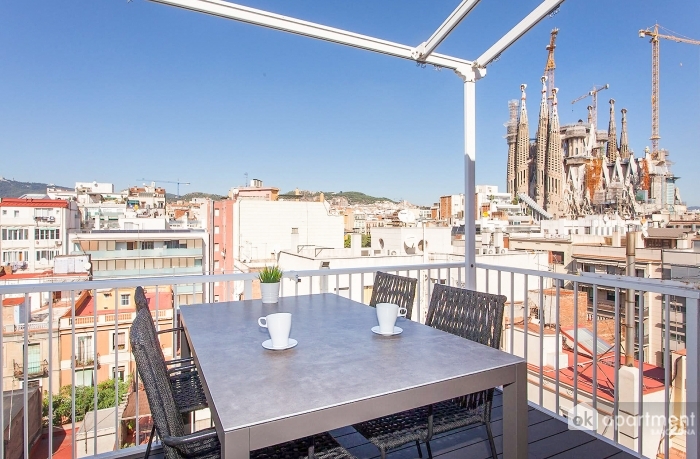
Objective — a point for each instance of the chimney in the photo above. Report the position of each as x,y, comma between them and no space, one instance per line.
295,240
616,238
356,244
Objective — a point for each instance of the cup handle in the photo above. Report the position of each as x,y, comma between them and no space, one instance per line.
403,312
261,323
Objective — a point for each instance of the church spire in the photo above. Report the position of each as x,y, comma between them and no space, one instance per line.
541,146
612,151
522,147
554,174
624,145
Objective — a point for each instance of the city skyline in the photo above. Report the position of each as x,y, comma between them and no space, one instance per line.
117,91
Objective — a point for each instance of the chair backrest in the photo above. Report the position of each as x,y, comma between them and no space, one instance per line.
472,315
154,375
140,299
390,288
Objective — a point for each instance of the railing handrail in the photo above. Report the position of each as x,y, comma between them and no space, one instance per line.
204,278
664,287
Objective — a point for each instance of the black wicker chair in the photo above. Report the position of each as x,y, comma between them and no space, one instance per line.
390,288
204,444
471,315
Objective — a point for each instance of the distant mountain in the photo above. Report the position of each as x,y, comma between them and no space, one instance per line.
195,194
14,189
694,208
355,197
352,197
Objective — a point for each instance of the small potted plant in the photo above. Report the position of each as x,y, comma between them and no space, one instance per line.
270,278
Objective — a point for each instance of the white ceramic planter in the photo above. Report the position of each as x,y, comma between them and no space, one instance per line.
270,292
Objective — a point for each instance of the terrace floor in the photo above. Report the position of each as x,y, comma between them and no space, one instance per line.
548,438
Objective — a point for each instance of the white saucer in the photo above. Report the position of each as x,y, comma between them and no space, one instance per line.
397,330
268,345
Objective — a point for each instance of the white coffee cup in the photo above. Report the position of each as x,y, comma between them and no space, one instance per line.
279,326
387,313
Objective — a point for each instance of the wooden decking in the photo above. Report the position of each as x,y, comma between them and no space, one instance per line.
547,438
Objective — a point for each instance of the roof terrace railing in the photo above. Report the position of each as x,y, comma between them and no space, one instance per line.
571,359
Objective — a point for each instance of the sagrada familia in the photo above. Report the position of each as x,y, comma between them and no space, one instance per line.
573,170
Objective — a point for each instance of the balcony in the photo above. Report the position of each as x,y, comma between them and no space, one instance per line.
87,360
34,370
559,377
145,253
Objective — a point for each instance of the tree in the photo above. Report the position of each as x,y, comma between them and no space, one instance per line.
346,243
84,401
366,240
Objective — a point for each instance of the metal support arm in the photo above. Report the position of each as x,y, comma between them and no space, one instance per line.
297,26
424,50
514,34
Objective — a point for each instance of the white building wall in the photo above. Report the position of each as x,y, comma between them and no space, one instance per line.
406,241
264,228
64,220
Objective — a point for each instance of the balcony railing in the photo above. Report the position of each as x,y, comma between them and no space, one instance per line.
34,370
572,359
87,360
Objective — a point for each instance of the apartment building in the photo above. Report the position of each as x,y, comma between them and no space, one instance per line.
452,208
100,347
150,252
34,231
262,229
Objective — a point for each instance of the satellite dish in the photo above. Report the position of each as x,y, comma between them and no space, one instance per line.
406,217
87,266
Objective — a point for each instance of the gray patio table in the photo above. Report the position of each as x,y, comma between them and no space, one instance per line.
339,374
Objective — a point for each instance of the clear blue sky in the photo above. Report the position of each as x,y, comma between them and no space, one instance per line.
115,92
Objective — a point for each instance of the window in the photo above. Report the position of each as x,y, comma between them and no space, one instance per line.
216,212
216,264
47,255
216,230
49,233
34,362
10,256
125,300
16,213
84,378
146,245
216,298
118,373
119,341
84,352
15,234
4,211
216,248
639,273
612,270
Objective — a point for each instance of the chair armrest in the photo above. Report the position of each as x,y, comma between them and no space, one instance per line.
194,444
169,330
179,361
201,435
188,368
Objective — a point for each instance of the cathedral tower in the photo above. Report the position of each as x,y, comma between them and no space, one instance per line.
541,148
624,144
522,148
511,135
554,174
611,151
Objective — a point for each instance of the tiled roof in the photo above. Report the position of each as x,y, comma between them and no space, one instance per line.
12,301
16,202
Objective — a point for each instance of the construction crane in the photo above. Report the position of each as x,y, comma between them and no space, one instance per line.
594,94
178,182
550,66
654,34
